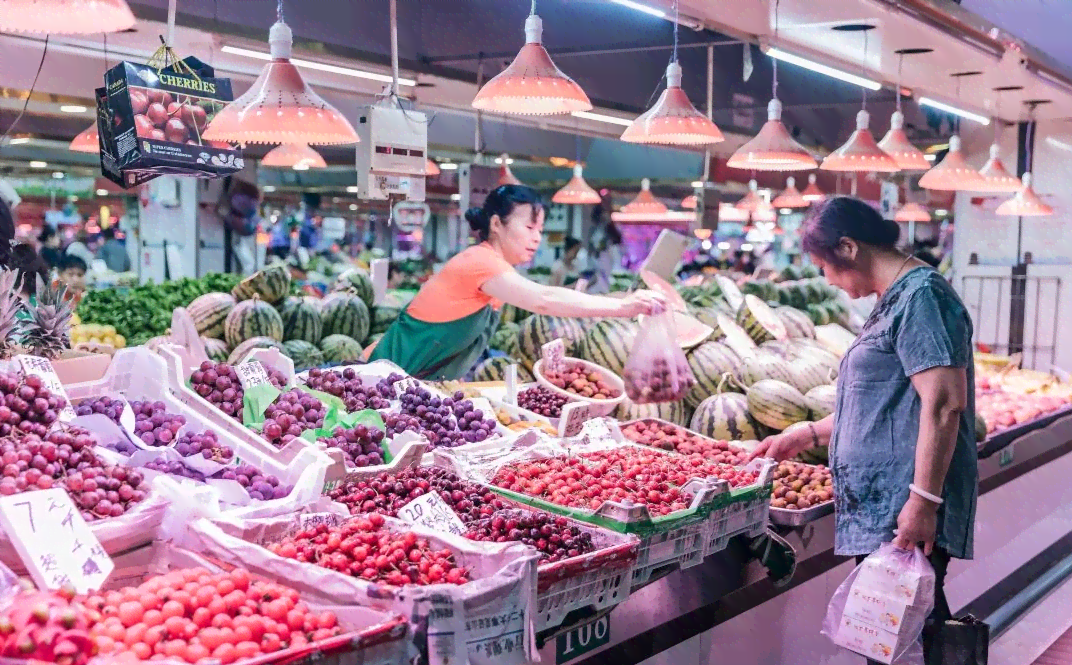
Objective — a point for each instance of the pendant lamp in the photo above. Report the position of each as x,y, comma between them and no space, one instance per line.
532,84
790,198
297,156
953,173
86,141
645,202
689,202
896,144
750,201
912,212
65,17
812,193
1025,203
431,168
577,191
279,107
860,153
673,120
996,178
772,149
506,176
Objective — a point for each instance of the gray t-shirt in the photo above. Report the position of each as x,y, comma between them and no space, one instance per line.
917,324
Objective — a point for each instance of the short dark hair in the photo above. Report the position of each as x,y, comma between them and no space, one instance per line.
46,233
108,233
30,265
69,261
570,242
839,217
500,201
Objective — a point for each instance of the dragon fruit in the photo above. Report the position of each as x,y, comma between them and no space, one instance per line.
47,626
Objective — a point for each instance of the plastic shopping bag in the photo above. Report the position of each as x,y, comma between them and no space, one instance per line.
657,370
880,610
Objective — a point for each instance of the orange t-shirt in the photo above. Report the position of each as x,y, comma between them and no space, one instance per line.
454,292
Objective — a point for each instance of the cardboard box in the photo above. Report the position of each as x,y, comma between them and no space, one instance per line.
893,582
866,640
876,609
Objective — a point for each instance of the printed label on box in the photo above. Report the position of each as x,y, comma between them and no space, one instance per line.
42,368
876,609
866,640
888,580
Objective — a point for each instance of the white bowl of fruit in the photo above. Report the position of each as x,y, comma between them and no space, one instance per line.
583,381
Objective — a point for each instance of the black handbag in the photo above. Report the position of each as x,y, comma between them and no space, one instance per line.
963,641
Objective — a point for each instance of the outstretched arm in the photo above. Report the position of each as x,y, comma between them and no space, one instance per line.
516,290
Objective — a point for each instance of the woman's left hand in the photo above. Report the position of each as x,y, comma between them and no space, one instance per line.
917,524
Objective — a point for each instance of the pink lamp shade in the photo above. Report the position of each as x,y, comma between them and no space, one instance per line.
860,153
790,198
506,176
996,178
812,193
532,84
896,144
772,149
279,107
912,212
431,168
86,141
752,200
65,17
689,202
645,202
953,173
673,120
297,156
577,191
1025,203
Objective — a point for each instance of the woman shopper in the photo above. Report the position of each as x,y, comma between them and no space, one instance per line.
565,271
446,327
902,435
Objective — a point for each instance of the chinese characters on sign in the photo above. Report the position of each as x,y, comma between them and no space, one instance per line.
431,511
42,369
402,385
554,353
573,418
251,374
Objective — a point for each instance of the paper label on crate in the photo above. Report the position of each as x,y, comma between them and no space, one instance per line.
445,619
54,541
251,373
574,416
432,511
553,354
510,378
42,368
497,635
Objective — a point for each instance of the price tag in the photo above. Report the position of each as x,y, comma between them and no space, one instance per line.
42,368
554,353
578,641
432,511
251,373
54,541
574,415
597,429
402,385
379,271
511,384
581,285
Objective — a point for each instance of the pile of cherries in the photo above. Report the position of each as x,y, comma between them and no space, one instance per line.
387,492
347,386
218,383
667,436
553,537
293,412
542,401
578,379
361,444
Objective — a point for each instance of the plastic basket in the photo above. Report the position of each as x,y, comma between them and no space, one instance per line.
744,510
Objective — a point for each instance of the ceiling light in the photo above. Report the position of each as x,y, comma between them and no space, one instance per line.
645,202
1025,203
38,165
321,66
997,178
600,117
772,149
746,247
673,120
86,141
279,107
577,191
293,155
21,140
913,212
930,156
57,175
102,192
506,176
941,212
697,184
953,173
1061,145
823,69
689,202
73,108
430,168
499,160
790,197
860,153
785,211
448,166
300,167
751,201
352,189
723,245
812,192
65,17
532,84
705,245
353,206
641,8
941,106
896,144
455,197
269,188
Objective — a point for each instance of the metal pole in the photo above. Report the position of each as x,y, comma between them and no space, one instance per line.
566,53
478,138
394,48
171,9
1020,604
710,106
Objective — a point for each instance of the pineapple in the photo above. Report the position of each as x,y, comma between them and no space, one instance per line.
48,333
11,326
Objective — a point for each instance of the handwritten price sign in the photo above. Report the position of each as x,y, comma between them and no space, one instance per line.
554,353
432,511
42,368
251,373
402,385
574,416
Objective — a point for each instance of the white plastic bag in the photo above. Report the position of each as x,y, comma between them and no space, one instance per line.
880,609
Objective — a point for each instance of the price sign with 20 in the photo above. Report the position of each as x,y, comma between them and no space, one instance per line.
432,511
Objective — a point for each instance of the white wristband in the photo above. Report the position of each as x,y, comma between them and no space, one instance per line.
925,494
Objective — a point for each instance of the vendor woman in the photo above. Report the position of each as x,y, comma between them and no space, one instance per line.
447,326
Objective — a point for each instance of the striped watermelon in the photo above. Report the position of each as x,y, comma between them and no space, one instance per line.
608,344
512,314
806,373
761,365
358,282
783,349
725,417
242,350
505,339
252,318
382,318
494,369
732,335
301,320
303,353
709,362
345,313
776,404
797,323
538,330
821,401
215,348
209,312
759,320
671,412
340,349
272,285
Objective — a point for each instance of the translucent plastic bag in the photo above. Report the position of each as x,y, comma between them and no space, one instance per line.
880,610
657,370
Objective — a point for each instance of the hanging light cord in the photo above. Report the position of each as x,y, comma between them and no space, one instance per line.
532,9
279,11
774,61
900,64
863,106
394,47
29,94
673,55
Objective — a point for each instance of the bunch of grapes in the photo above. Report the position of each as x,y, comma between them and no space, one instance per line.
27,405
347,386
542,401
31,462
105,491
387,492
106,406
447,422
260,486
153,424
218,383
206,444
360,444
553,537
290,414
175,468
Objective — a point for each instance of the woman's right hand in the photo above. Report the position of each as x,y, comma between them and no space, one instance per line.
643,302
786,445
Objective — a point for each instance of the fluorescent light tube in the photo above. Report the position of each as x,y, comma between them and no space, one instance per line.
599,117
320,66
941,106
823,69
640,8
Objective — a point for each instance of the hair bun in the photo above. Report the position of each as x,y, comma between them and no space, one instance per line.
476,218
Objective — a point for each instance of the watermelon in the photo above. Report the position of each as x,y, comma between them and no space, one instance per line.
725,417
776,404
608,344
340,349
730,291
382,318
512,314
215,348
242,350
303,353
783,349
797,323
358,282
345,313
709,362
821,401
819,315
761,365
301,321
671,412
790,272
272,285
252,318
809,270
808,373
494,369
538,330
732,335
759,320
209,312
505,339
834,338
980,429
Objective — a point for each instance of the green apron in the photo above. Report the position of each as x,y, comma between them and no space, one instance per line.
437,351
